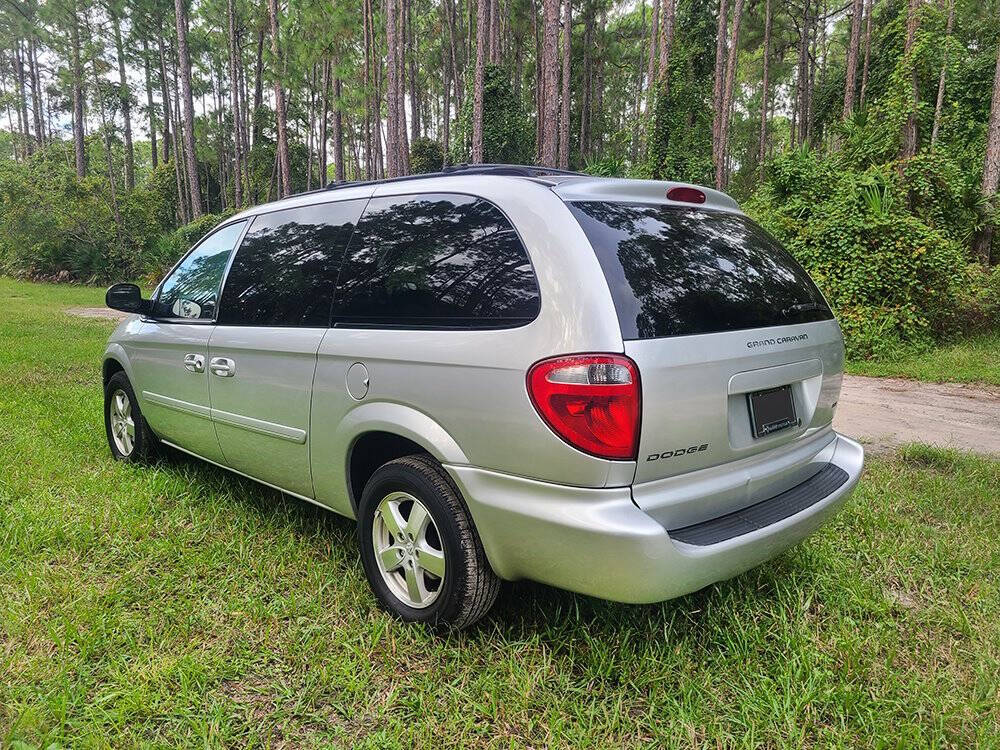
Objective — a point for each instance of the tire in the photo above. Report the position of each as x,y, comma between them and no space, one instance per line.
468,587
142,441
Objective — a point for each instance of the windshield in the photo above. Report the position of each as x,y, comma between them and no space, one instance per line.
679,271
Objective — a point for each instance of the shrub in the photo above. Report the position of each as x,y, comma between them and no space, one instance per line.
426,155
893,278
55,223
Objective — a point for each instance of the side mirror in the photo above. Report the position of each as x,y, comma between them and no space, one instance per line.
127,298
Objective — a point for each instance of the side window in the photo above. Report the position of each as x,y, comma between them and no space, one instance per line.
286,267
436,260
192,290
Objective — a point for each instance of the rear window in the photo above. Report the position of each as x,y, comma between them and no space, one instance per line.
675,272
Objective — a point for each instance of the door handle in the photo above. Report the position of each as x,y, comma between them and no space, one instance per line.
194,363
222,366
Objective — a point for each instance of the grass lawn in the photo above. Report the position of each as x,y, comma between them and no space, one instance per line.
181,605
973,360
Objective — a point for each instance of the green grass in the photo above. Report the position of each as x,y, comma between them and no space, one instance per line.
973,360
180,605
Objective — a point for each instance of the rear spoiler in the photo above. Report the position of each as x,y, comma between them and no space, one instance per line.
639,191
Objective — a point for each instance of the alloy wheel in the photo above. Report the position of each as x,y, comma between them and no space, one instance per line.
408,549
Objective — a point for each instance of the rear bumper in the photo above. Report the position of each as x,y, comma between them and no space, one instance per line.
598,542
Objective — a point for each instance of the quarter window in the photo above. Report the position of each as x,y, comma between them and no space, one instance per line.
436,260
192,290
286,268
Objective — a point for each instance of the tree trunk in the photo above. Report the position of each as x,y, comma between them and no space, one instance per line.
21,101
991,167
392,89
597,82
180,168
909,136
150,109
718,84
637,101
813,59
281,112
802,80
234,94
323,119
446,115
456,76
721,176
184,60
366,75
448,63
402,148
539,80
258,89
78,144
766,55
939,104
586,95
482,11
415,108
310,144
338,131
852,58
36,92
666,40
165,93
550,82
495,21
868,51
654,58
564,116
125,97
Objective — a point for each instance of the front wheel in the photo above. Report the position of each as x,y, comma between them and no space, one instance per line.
129,437
419,547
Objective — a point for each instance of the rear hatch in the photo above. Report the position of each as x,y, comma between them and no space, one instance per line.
738,352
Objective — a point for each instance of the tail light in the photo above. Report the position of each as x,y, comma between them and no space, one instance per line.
591,401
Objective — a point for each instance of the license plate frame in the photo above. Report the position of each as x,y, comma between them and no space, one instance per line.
772,410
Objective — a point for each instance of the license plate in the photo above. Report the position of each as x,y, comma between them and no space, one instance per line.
771,411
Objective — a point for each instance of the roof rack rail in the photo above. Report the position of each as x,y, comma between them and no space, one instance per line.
509,170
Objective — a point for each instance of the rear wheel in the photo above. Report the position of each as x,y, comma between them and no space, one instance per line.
421,553
129,437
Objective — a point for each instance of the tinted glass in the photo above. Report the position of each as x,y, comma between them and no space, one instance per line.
680,271
192,290
286,268
436,260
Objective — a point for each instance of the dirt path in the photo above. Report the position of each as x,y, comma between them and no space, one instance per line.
96,312
884,412
881,412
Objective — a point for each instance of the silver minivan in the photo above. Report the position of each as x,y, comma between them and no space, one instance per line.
624,388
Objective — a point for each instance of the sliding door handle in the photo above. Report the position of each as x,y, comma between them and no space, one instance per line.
222,366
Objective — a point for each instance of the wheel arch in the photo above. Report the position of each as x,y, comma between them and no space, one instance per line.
379,432
115,360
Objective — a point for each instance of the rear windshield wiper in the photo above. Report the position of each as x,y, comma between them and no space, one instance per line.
804,307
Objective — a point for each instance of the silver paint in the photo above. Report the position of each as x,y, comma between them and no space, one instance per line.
286,406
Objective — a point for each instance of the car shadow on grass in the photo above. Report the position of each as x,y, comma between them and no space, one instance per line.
526,610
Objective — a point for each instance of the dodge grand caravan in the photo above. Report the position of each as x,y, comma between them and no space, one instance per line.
623,388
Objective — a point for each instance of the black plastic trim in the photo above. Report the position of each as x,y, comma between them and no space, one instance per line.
715,530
